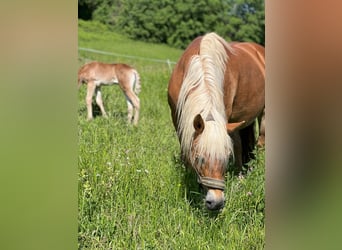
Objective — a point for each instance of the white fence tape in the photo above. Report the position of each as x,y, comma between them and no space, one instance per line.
167,61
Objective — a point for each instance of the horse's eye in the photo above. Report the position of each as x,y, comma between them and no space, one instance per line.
200,160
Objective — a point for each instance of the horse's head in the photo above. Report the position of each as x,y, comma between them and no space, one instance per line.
209,157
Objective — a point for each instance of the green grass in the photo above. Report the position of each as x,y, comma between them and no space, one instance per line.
97,36
134,193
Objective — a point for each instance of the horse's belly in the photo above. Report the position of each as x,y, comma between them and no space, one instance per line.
100,82
247,112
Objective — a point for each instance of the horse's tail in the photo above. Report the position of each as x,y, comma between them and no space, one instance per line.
137,83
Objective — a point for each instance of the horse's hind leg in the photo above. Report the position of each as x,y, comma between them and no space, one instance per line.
136,111
133,104
129,110
237,147
261,139
248,141
89,99
99,101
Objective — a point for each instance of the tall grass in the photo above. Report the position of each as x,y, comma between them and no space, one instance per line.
134,193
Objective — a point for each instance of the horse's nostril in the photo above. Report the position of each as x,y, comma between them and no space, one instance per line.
212,204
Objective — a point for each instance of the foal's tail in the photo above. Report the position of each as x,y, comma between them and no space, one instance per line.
137,84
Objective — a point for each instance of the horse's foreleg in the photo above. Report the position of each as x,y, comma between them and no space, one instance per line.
99,101
237,151
89,99
133,100
261,139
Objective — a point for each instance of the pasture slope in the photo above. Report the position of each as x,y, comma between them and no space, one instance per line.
132,185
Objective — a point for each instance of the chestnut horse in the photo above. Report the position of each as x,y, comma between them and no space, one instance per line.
216,93
96,74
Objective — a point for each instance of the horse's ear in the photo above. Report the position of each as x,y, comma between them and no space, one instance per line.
231,127
198,124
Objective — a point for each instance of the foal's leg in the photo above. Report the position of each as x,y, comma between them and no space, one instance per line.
136,111
99,101
89,98
129,110
133,99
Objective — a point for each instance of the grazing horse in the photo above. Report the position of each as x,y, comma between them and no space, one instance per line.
216,93
96,74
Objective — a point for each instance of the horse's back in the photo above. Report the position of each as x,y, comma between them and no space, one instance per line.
123,71
245,82
250,46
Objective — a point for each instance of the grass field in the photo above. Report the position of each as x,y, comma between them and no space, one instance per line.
134,193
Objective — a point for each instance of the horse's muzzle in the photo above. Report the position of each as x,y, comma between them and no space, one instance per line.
214,199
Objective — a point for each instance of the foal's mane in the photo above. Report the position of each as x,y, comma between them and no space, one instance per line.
202,93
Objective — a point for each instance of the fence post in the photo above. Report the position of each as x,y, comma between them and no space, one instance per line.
169,63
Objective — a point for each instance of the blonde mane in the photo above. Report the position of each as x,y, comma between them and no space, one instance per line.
202,93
